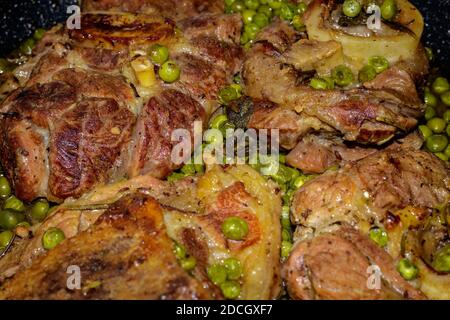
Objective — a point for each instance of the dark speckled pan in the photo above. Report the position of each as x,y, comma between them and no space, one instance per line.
19,18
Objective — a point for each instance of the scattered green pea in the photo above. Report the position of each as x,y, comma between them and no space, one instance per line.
235,228
247,15
301,8
286,235
52,237
261,20
342,75
252,4
275,4
10,218
379,63
436,143
238,6
388,9
217,273
407,269
5,188
447,151
230,289
446,116
39,210
430,99
233,267
39,34
379,235
266,10
441,262
297,23
286,248
14,203
169,72
425,131
159,54
351,8
440,85
437,125
188,263
445,98
318,84
26,47
5,239
367,73
286,12
430,112
179,250
441,156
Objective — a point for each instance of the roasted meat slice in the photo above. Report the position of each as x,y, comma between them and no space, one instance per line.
373,188
175,9
193,210
341,266
362,115
91,119
126,254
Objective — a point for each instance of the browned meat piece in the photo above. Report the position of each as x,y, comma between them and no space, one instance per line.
152,148
317,153
372,188
88,119
85,144
335,266
366,116
175,9
126,254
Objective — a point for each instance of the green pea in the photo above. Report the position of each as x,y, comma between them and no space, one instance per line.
218,121
188,263
441,262
287,197
436,143
4,65
445,98
379,63
188,169
175,176
286,13
388,9
285,217
235,228
247,15
39,210
169,72
297,23
446,116
275,4
286,248
437,125
251,28
244,39
5,188
440,85
261,20
367,73
233,267
252,4
229,2
39,34
301,8
429,113
52,237
10,218
447,151
429,53
286,235
441,156
228,94
159,54
263,1
230,289
407,269
26,47
179,250
266,10
318,84
217,273
379,235
238,6
14,203
425,131
5,239
430,99
351,8
342,75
